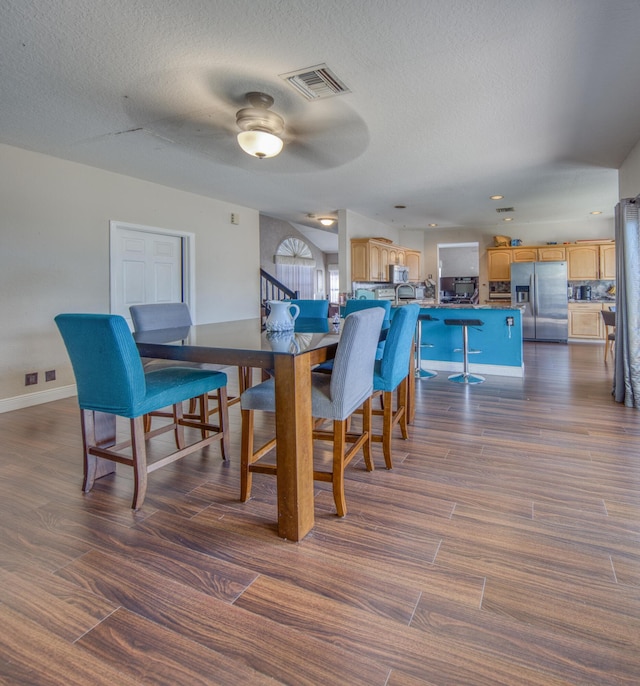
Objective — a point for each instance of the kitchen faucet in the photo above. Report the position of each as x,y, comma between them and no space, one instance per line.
397,289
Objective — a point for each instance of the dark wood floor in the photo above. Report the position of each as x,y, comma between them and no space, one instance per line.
503,548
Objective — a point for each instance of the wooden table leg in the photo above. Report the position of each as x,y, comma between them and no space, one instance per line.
294,434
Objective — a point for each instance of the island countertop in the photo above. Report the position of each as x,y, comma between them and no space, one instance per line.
461,306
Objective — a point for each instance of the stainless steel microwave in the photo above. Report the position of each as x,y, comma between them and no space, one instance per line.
398,273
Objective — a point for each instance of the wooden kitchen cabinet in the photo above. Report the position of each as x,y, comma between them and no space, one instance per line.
365,261
396,255
499,264
370,259
591,262
585,321
552,253
412,260
583,262
524,254
608,261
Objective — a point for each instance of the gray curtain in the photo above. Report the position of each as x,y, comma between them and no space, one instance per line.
626,381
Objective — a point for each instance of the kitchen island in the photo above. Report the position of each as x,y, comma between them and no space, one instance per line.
495,347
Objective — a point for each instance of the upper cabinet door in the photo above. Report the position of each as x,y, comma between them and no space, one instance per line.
412,260
608,261
499,265
524,255
583,262
552,253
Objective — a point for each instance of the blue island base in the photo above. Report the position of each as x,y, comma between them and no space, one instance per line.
494,348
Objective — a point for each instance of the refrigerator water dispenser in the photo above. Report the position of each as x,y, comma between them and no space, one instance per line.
522,294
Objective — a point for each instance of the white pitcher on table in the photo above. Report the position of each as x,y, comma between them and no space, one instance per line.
281,317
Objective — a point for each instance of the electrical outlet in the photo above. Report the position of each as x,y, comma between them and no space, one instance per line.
50,375
509,321
31,379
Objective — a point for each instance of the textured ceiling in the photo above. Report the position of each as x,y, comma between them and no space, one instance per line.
451,101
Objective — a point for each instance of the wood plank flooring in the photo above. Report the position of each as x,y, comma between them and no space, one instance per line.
503,548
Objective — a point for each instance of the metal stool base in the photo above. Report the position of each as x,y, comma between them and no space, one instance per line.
420,373
467,378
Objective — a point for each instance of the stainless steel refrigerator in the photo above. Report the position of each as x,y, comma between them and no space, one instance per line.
541,288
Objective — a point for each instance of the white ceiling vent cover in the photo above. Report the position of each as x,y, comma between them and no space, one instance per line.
316,82
505,209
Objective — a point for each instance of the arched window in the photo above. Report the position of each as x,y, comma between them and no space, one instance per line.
295,266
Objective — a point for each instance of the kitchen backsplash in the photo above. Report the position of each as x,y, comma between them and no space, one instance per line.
600,290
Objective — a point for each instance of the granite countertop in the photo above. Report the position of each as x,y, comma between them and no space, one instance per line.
458,306
593,300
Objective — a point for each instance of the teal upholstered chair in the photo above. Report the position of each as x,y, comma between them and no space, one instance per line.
334,397
356,305
391,374
316,309
110,379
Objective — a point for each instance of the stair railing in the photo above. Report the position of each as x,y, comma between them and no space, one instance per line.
272,289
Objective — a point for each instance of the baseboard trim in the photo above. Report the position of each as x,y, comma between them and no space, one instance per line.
19,402
474,368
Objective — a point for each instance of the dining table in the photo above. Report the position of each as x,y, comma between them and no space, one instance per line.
289,357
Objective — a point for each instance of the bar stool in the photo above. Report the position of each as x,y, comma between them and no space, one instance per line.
421,373
465,377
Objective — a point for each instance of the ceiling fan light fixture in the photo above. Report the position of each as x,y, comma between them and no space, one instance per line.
260,127
260,144
327,221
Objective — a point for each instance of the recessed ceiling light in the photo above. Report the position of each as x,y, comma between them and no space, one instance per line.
596,212
433,226
508,219
496,197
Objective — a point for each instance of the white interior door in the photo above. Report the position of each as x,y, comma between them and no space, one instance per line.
147,266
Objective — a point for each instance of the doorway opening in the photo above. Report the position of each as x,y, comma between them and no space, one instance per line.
458,272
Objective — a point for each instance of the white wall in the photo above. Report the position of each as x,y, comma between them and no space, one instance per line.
629,178
54,224
459,261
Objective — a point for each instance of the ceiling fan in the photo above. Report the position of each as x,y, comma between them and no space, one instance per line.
214,115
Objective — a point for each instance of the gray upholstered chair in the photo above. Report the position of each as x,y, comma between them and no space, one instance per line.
111,380
153,316
334,396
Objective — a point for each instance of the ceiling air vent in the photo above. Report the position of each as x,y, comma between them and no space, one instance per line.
316,82
505,209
